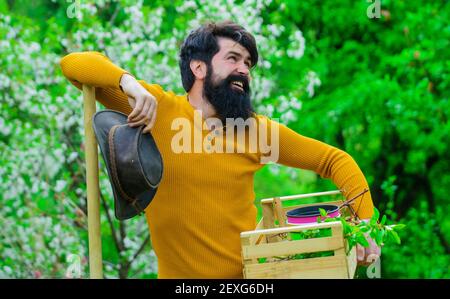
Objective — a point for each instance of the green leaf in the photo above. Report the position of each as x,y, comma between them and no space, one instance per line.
365,229
362,240
3,7
398,227
323,213
395,236
350,246
383,220
379,237
375,216
346,227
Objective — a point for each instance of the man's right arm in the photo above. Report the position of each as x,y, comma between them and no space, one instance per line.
115,88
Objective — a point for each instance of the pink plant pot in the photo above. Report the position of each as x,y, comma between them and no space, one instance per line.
309,214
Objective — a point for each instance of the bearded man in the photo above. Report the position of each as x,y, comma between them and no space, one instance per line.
206,199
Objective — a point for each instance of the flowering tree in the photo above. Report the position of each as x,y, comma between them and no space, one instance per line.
42,173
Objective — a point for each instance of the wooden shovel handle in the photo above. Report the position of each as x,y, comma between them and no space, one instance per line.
92,186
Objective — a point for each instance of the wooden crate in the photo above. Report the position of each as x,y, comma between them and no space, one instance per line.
273,242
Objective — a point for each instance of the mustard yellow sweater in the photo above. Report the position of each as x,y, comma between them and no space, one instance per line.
205,200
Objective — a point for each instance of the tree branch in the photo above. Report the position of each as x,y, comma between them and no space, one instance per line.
114,15
139,251
118,245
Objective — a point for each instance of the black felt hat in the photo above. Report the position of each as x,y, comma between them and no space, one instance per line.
132,159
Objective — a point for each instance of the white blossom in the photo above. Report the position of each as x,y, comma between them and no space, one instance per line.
60,185
313,80
297,45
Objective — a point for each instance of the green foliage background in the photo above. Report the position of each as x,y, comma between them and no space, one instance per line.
380,93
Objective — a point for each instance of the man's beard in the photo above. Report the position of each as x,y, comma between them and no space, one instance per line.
229,102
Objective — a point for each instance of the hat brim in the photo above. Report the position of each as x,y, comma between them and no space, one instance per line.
102,123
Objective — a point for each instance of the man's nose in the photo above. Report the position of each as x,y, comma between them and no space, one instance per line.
243,69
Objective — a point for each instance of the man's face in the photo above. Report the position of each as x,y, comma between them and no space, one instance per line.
226,85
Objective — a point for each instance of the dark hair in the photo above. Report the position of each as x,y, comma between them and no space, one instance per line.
201,44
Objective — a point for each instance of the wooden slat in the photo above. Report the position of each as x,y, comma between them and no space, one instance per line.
255,239
245,242
281,215
294,228
337,231
321,267
269,221
278,208
292,247
352,263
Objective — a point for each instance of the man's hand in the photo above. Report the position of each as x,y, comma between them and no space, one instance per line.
143,103
367,255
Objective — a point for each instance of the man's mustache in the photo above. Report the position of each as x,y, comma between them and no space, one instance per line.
240,78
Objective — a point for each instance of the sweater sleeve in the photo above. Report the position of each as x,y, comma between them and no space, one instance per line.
95,69
330,162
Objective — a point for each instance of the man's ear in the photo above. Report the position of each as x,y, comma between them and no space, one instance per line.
198,68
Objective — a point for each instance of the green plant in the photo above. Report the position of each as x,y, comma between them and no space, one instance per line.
356,231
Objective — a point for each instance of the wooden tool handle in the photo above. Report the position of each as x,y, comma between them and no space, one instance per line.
92,186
